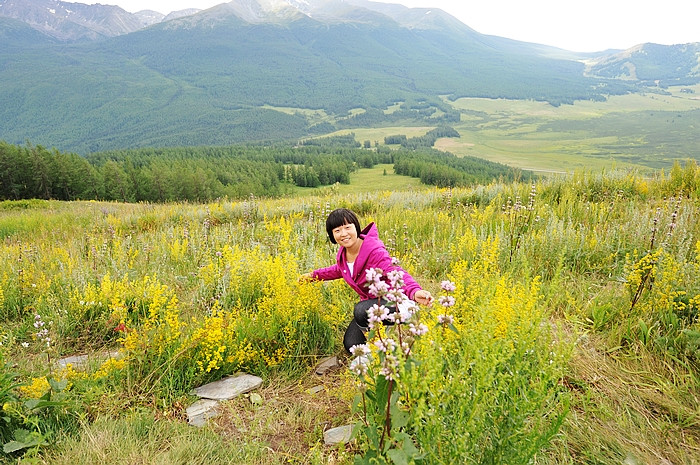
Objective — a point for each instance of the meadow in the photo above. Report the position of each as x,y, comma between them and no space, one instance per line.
567,329
646,132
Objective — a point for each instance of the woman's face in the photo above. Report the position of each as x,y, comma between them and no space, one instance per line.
345,235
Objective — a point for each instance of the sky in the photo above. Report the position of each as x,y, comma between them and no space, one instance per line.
575,25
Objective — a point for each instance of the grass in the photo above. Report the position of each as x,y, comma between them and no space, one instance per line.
285,427
643,132
630,402
379,178
627,409
587,135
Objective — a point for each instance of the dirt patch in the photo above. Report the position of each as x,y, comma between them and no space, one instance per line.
289,418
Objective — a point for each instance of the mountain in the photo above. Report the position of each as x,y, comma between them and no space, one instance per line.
260,70
71,22
650,64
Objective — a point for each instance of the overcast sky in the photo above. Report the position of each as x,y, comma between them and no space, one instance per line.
576,25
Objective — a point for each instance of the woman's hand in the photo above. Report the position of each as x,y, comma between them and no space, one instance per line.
423,297
306,277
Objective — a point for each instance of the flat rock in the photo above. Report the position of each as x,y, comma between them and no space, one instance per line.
327,364
81,361
202,410
315,389
229,387
338,435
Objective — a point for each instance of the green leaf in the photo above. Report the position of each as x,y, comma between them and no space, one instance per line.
398,456
357,405
382,391
57,386
407,445
37,404
23,440
399,417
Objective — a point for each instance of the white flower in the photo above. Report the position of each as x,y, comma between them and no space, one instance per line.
376,314
378,288
396,278
360,365
385,345
418,330
360,349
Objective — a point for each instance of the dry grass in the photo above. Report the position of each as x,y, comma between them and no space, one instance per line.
632,410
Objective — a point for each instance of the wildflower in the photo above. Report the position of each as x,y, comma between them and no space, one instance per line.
385,345
395,261
360,349
390,367
377,314
360,365
395,279
446,300
120,327
378,289
445,319
417,330
447,286
396,295
25,344
373,274
363,356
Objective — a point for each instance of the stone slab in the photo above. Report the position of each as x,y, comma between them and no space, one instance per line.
341,434
315,389
229,387
202,410
327,364
81,361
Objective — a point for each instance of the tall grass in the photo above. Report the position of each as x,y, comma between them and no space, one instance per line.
190,293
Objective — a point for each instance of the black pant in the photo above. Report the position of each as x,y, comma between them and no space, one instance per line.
355,334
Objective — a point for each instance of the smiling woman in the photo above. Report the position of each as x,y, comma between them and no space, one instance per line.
361,254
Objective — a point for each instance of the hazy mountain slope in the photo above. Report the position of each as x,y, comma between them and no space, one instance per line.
202,78
198,79
651,62
71,21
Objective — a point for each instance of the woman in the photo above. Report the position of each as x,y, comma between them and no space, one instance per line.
360,250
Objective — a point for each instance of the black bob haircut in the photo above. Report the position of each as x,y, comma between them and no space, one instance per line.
340,217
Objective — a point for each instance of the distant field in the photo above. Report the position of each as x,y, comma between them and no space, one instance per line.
378,134
368,180
642,131
639,131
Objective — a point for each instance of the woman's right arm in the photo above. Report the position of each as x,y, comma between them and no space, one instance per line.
325,274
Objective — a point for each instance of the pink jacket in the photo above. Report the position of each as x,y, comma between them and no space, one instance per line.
372,254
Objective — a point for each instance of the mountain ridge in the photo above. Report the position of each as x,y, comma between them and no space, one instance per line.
215,77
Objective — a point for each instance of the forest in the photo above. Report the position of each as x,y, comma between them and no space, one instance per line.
208,173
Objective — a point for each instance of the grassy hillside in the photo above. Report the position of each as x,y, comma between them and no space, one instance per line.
575,341
204,80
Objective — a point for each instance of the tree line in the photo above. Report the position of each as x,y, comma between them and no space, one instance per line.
205,173
172,174
443,169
